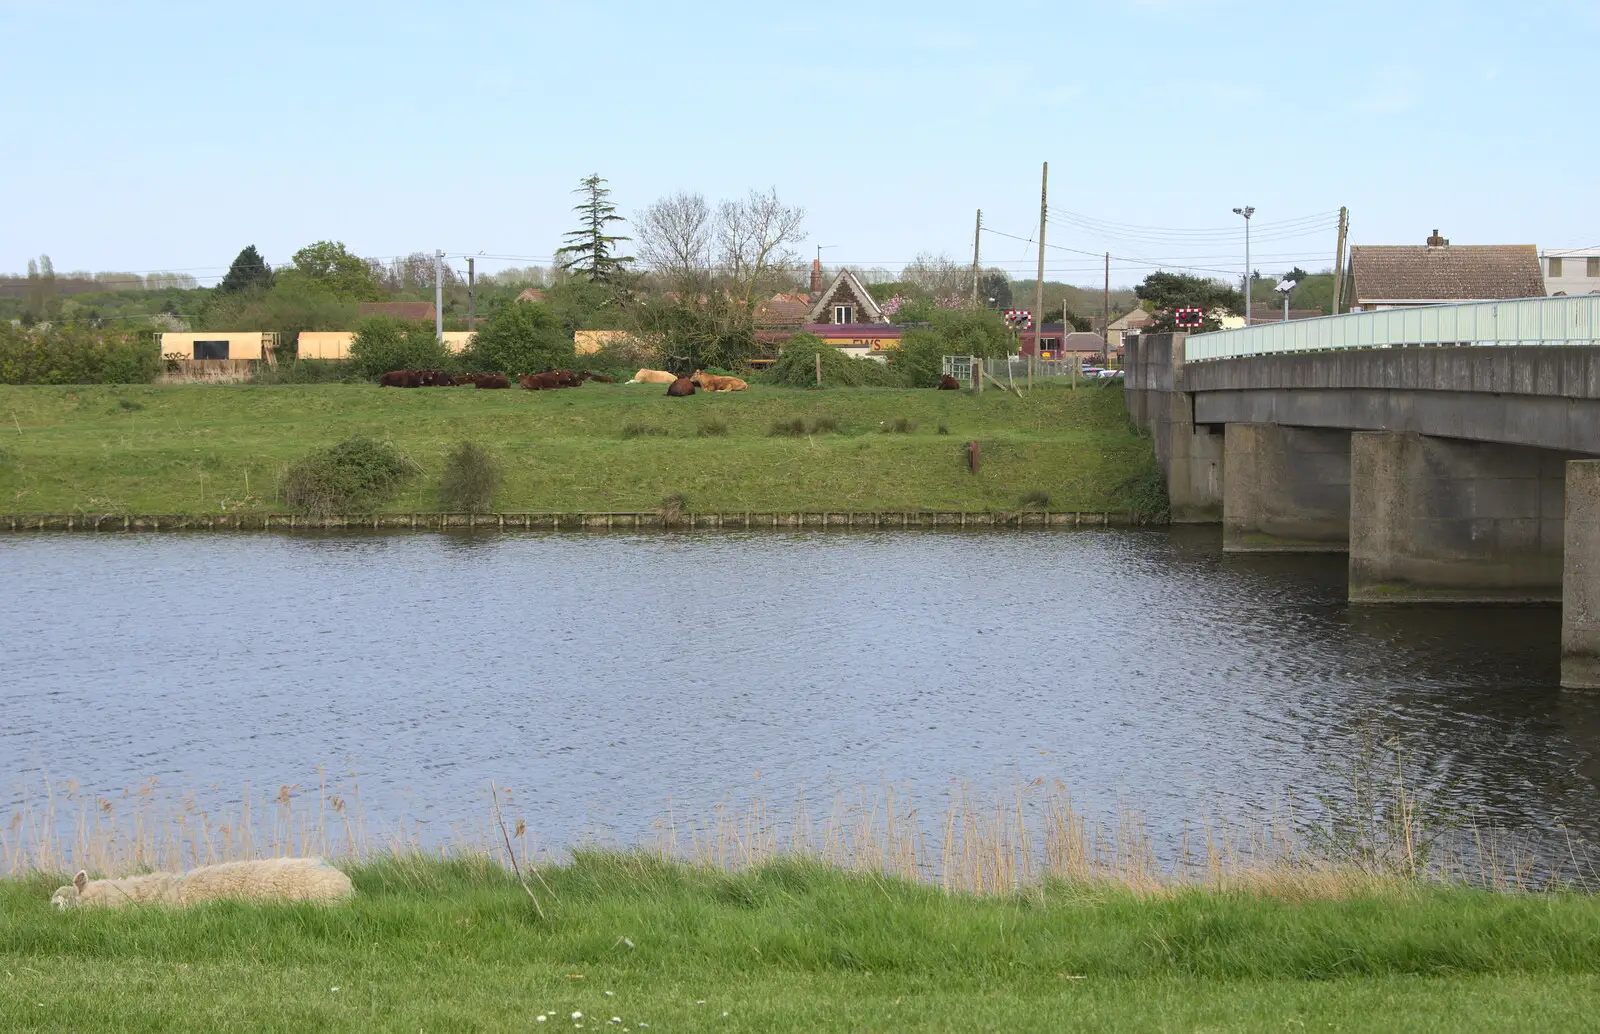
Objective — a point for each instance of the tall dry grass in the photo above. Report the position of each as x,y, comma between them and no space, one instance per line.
978,843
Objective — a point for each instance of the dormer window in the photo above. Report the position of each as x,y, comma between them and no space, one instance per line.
844,314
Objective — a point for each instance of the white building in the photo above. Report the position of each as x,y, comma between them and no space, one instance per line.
1571,270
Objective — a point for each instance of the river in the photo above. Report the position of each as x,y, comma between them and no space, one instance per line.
606,678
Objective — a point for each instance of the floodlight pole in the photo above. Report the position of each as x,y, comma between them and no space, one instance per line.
1247,211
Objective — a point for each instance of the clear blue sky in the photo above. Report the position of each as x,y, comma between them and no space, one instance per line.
145,136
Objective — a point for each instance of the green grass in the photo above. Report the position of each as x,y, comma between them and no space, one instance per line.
223,448
797,947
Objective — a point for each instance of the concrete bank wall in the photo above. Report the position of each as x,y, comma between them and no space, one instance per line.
1190,454
565,521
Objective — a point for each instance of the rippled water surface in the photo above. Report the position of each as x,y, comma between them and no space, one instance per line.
603,676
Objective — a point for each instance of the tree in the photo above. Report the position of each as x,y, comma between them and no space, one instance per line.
517,338
675,235
383,343
591,250
994,290
919,357
936,276
249,271
1165,293
331,267
755,239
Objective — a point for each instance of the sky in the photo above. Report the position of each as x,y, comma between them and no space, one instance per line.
168,136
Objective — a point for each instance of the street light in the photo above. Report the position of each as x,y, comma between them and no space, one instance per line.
1284,287
1247,211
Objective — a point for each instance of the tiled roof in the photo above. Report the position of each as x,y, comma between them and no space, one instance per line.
399,310
1446,273
783,310
531,294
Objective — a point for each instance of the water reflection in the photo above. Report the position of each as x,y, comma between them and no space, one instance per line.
601,676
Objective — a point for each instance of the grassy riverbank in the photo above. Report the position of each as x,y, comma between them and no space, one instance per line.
205,449
797,946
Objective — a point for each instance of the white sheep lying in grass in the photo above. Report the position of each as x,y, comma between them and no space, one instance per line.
271,879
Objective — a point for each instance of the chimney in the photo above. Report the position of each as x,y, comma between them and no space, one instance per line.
1437,241
816,276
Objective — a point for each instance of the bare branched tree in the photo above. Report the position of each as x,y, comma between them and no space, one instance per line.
674,236
755,239
937,275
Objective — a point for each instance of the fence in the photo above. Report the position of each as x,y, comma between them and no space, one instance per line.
1009,370
1523,321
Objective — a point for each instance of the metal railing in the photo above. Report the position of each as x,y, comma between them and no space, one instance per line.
1522,321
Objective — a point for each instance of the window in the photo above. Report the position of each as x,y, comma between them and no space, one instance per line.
1591,266
1555,267
844,313
211,350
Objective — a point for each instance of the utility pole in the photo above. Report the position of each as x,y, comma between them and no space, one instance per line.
977,235
1038,286
1247,211
472,301
438,295
1338,259
1105,317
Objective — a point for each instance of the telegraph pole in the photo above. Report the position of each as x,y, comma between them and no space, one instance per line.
1338,259
977,235
472,301
1038,286
1105,317
438,295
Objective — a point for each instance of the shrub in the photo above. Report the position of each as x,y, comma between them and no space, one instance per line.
944,429
824,423
797,366
672,507
1037,500
355,476
899,425
77,354
636,429
1145,493
520,337
302,371
470,480
919,357
713,428
794,427
383,343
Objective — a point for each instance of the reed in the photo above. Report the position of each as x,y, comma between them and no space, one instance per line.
980,843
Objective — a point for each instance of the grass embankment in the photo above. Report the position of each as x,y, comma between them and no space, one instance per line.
796,946
177,449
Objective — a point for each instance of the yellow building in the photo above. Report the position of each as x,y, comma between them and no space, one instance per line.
218,344
335,344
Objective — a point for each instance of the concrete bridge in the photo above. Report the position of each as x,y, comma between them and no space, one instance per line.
1453,452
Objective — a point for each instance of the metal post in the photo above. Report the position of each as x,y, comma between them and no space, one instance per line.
438,295
1247,211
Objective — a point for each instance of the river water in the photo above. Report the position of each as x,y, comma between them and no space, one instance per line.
606,678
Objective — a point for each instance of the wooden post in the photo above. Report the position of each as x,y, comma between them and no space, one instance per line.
818,357
1038,287
977,233
1105,317
977,376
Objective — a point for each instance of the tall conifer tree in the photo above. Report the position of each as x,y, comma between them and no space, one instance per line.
590,251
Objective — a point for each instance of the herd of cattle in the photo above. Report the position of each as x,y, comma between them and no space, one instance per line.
552,379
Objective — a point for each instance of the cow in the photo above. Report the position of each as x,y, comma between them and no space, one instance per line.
436,379
680,387
493,380
602,378
540,381
949,383
712,382
398,379
653,377
568,379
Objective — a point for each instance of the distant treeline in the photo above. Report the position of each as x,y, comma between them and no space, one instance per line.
83,282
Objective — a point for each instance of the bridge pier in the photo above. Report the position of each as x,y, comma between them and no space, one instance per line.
1287,489
1451,521
1580,583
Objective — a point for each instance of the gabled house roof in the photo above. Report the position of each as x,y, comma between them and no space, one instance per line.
1447,272
531,294
399,310
1131,320
783,310
846,289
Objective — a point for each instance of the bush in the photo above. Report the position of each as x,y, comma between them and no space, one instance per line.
713,428
77,354
355,476
303,371
470,480
823,423
1145,493
383,343
919,357
1036,500
899,425
788,428
635,429
517,338
797,366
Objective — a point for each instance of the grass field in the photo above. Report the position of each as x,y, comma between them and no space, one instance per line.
224,448
794,946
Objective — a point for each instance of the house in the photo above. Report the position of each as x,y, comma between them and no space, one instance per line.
844,301
218,344
417,311
531,294
860,340
335,344
1571,271
1392,277
1054,345
1128,323
1266,312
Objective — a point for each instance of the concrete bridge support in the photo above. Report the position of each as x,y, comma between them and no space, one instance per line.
1580,583
1451,521
1287,489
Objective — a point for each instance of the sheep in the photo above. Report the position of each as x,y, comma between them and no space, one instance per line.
271,879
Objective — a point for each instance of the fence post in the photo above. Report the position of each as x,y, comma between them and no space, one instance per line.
818,357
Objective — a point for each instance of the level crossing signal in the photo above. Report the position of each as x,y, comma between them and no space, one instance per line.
1019,319
1189,316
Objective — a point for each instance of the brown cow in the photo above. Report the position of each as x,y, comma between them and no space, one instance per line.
539,381
949,383
602,378
434,379
493,380
398,379
680,387
712,382
653,377
568,379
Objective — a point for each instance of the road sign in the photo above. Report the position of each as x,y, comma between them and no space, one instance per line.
1019,319
1189,316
